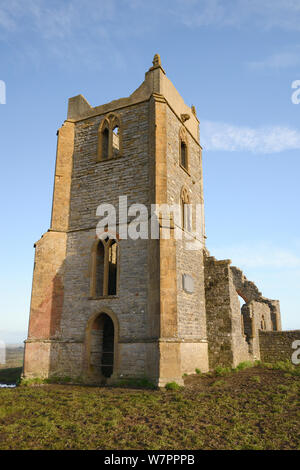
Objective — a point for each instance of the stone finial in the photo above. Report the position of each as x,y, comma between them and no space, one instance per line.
156,61
194,110
156,64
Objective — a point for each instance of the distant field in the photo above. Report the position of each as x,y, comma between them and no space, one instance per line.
14,358
255,408
12,369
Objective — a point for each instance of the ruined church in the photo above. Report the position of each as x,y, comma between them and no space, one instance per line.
108,309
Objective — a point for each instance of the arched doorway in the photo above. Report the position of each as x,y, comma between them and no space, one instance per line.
102,349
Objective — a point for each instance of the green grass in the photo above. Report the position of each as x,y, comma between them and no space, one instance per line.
221,371
244,365
234,411
173,386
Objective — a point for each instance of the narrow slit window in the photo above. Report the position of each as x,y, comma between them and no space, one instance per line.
105,143
116,141
112,268
183,154
99,269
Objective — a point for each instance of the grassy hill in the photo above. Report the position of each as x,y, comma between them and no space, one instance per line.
255,408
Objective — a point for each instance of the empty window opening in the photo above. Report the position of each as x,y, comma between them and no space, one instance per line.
183,154
105,143
112,268
109,138
241,303
116,141
104,278
102,345
100,269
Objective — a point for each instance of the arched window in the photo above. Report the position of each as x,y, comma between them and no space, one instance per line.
109,138
104,276
263,323
183,149
186,222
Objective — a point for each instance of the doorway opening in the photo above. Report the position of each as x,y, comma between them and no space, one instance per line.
102,345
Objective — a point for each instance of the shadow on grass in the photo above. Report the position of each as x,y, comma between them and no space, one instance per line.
10,376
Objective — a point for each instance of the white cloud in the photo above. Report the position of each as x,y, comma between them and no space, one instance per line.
278,60
79,31
266,14
262,255
228,137
59,18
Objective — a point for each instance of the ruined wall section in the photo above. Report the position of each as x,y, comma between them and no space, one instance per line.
240,346
227,343
218,312
278,345
249,292
254,313
233,333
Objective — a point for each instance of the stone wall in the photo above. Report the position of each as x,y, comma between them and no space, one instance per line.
233,333
190,305
218,312
256,316
277,345
95,183
249,292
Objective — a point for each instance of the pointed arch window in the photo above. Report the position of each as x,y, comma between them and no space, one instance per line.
183,150
186,222
104,276
109,138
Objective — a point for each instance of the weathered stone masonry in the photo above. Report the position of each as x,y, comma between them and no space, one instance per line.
151,326
277,345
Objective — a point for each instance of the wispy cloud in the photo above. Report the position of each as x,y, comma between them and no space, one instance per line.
259,255
80,30
267,14
228,137
277,61
96,28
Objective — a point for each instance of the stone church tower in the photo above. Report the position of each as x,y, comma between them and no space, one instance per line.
107,309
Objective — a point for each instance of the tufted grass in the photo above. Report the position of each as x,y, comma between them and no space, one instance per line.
253,408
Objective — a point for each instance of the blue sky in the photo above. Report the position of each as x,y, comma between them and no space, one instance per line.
234,60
